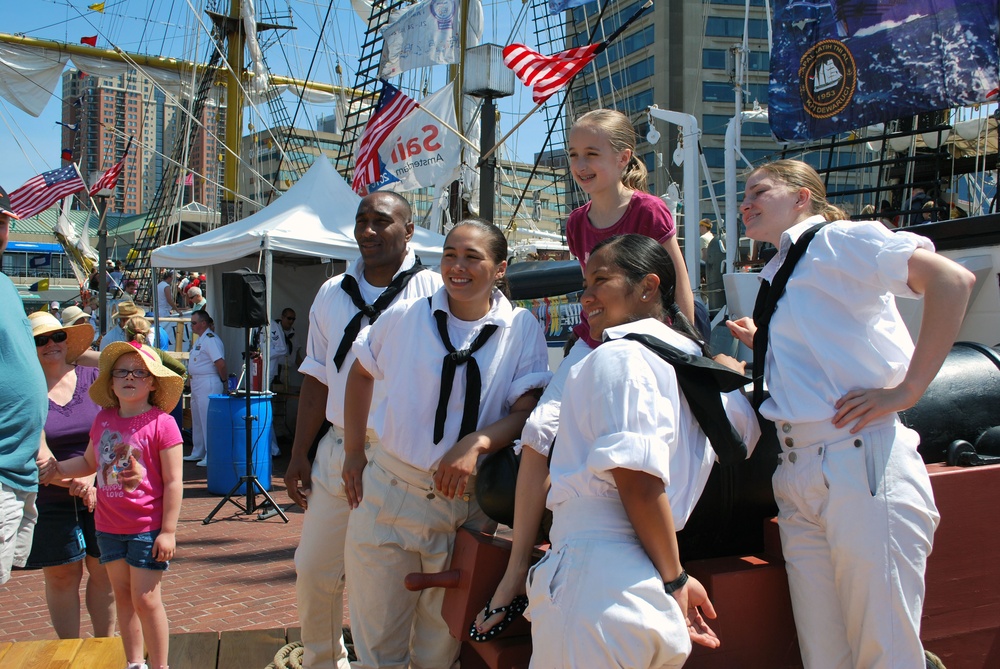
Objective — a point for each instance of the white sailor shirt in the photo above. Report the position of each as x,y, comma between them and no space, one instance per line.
836,328
206,351
331,310
622,408
404,349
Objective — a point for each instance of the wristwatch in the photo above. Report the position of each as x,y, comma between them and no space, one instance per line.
670,587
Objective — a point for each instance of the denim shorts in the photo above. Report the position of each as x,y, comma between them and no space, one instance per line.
64,534
135,549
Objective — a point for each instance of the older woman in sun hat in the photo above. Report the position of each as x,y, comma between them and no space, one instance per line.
74,315
65,538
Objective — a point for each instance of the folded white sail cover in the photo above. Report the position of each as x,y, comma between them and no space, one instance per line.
427,34
29,76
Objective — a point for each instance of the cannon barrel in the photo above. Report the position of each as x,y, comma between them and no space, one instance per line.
960,403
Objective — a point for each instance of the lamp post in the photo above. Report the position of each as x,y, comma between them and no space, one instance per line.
102,253
488,78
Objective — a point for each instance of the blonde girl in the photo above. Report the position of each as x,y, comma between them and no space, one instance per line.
855,508
135,448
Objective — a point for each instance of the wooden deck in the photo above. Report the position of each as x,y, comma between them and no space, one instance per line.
245,649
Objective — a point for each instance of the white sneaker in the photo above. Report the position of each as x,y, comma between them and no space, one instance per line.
202,463
136,665
193,457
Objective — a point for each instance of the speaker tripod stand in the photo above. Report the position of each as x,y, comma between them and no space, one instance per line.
268,507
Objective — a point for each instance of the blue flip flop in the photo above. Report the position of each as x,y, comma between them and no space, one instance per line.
511,611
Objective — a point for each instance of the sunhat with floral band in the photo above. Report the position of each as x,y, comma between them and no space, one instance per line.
78,337
168,388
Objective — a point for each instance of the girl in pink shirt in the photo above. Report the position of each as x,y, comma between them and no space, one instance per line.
135,450
604,165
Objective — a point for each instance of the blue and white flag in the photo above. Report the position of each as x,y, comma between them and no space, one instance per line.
427,33
838,65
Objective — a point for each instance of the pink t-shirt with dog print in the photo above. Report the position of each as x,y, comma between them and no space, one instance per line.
135,509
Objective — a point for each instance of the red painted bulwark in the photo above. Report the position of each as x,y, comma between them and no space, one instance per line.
961,620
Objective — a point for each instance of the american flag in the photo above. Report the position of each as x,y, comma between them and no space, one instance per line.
41,192
392,107
547,74
109,179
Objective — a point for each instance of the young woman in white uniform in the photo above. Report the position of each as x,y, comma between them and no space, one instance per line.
856,510
434,427
207,372
628,466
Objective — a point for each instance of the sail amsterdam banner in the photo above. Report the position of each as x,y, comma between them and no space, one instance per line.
839,65
426,34
420,152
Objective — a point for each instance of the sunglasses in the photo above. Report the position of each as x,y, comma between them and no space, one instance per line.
59,336
135,373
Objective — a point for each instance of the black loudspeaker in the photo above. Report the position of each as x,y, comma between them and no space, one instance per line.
243,296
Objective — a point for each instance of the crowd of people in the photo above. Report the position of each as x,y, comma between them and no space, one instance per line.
412,377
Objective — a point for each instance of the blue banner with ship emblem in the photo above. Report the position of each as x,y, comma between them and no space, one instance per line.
838,65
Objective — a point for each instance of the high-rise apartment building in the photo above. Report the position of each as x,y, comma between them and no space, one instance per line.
679,56
108,110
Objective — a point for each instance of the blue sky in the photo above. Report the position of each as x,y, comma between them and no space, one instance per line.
167,28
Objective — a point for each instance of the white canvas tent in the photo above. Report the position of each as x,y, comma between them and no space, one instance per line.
297,242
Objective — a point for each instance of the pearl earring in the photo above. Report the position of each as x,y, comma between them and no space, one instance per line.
644,296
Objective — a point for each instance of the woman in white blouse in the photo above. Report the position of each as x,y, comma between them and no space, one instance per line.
462,370
627,468
855,507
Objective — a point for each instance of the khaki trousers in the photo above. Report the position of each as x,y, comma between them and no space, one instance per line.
403,525
319,559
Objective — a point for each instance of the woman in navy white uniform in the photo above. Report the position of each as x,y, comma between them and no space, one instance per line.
434,427
207,371
627,468
856,510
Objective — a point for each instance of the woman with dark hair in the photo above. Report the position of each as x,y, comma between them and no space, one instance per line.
462,370
629,464
65,537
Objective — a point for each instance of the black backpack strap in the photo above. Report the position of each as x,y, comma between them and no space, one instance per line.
767,302
703,381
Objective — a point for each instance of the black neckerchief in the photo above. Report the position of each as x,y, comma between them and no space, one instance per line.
372,311
473,379
767,301
703,381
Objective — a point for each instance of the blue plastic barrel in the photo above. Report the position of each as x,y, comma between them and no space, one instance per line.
227,455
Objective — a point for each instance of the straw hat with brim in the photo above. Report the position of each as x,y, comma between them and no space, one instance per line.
127,309
78,337
169,386
70,314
